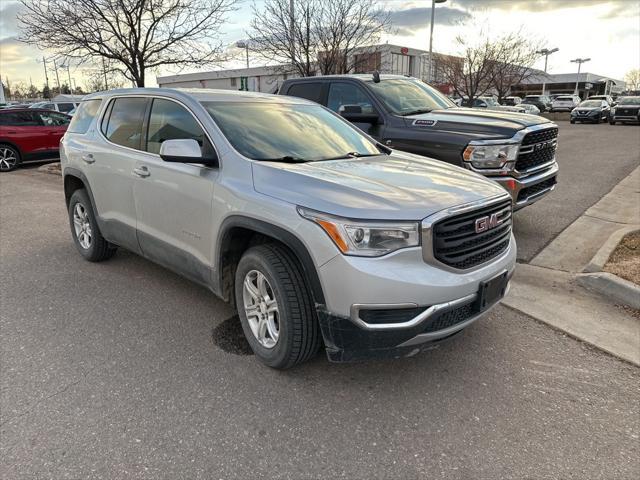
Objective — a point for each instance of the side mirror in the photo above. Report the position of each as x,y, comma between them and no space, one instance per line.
354,113
184,150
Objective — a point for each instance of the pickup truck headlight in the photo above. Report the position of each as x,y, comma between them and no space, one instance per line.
365,238
490,156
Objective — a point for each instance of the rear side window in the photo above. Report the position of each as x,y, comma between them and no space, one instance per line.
83,117
309,90
124,123
170,121
20,119
54,119
65,107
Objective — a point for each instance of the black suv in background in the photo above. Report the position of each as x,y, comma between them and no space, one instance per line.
516,150
543,102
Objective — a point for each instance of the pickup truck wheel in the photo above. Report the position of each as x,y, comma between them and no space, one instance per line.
9,158
275,307
85,231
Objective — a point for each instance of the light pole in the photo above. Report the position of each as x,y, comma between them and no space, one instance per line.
244,44
433,15
546,52
579,61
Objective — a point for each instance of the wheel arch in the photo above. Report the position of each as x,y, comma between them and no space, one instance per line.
4,141
238,233
74,179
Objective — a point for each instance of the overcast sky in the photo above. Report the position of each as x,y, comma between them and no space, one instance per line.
606,31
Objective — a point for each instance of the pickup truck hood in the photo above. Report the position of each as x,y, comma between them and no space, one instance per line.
485,124
400,186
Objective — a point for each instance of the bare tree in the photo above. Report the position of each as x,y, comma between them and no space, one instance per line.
135,35
318,35
471,73
515,56
632,79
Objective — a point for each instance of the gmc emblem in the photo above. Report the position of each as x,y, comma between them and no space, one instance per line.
487,223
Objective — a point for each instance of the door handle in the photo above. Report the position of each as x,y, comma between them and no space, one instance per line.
141,172
88,158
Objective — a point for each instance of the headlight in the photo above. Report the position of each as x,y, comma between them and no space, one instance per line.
365,238
490,156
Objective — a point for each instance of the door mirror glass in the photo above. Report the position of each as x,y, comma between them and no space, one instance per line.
184,150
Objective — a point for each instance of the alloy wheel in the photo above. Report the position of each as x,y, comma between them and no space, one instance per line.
261,308
82,226
8,159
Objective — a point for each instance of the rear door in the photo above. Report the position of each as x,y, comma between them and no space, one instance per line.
174,200
55,125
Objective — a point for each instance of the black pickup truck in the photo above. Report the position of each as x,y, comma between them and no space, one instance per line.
517,150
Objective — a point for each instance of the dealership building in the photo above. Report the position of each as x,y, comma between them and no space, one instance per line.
588,84
385,58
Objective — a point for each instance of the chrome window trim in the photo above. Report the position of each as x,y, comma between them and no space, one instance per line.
113,98
426,231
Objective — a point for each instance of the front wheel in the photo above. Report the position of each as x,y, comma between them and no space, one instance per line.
9,158
572,121
612,122
85,231
275,307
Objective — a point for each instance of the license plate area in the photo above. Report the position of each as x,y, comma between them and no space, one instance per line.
492,290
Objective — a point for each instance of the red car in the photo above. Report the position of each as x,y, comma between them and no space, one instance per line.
28,134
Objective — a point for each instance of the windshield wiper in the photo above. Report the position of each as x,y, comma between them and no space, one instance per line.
354,155
285,159
417,111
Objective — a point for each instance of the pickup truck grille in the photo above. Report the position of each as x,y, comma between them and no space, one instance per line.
540,136
537,148
458,244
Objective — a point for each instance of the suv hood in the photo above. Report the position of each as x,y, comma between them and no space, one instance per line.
400,186
486,124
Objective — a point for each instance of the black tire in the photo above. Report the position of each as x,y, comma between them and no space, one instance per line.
612,122
572,121
299,333
6,153
98,248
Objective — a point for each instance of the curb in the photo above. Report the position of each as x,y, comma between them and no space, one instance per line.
619,289
601,258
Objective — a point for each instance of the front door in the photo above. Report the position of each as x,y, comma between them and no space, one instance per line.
174,200
343,93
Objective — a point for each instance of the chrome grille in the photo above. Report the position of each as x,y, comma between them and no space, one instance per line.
456,242
537,148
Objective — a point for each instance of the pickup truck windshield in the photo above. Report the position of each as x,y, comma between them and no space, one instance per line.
288,132
408,97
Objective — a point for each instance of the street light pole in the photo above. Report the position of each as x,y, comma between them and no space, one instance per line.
579,61
546,52
433,16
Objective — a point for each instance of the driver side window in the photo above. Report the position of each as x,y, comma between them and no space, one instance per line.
348,94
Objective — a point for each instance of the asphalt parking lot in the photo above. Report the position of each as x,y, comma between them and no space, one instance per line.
592,158
115,370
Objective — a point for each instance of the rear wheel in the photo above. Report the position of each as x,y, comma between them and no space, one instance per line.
275,307
85,231
9,158
612,122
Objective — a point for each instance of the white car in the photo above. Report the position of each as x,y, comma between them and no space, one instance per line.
491,103
64,107
565,103
529,108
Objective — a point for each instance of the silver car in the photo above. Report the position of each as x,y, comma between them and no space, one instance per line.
319,235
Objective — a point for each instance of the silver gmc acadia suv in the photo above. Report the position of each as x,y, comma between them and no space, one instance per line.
317,233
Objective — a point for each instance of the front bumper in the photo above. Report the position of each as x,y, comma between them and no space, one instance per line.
527,190
346,341
626,118
445,302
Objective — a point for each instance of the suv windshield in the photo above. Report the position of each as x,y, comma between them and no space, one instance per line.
629,101
288,132
591,103
404,96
